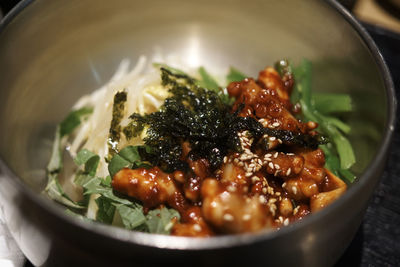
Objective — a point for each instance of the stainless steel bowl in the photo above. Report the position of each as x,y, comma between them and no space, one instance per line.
53,51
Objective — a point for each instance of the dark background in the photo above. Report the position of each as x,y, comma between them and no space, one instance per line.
377,242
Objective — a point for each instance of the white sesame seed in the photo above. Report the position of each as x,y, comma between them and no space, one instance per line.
252,165
228,217
272,138
197,227
276,155
231,188
278,193
268,155
276,124
296,210
284,184
294,189
280,219
277,166
280,141
271,165
225,159
240,164
262,199
272,209
277,172
236,160
255,179
259,161
272,200
286,222
248,174
288,171
264,190
246,217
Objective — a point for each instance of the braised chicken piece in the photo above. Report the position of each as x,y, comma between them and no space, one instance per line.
260,187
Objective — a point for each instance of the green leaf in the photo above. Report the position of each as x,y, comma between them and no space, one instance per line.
328,103
160,221
90,160
330,126
117,163
171,69
106,210
235,75
73,120
53,187
128,157
207,81
131,217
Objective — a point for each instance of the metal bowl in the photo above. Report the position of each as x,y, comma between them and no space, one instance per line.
52,52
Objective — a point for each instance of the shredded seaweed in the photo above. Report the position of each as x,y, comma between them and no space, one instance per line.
199,116
115,128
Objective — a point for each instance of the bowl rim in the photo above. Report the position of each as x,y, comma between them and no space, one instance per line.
219,242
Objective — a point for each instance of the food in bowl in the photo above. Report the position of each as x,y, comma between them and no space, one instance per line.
172,153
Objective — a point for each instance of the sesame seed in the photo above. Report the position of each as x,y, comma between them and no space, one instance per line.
280,219
228,217
294,189
231,188
197,227
259,161
272,138
271,165
277,166
276,124
225,159
286,222
267,159
240,164
246,217
288,171
296,210
272,200
264,190
278,193
268,155
236,160
262,199
276,155
284,184
272,209
252,165
280,141
255,179
248,174
277,172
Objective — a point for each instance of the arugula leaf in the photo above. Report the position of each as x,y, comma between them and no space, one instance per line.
131,217
105,213
53,187
330,126
73,120
128,157
328,103
171,69
207,81
235,75
90,160
55,166
161,221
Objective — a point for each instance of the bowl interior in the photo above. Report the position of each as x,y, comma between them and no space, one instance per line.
55,51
